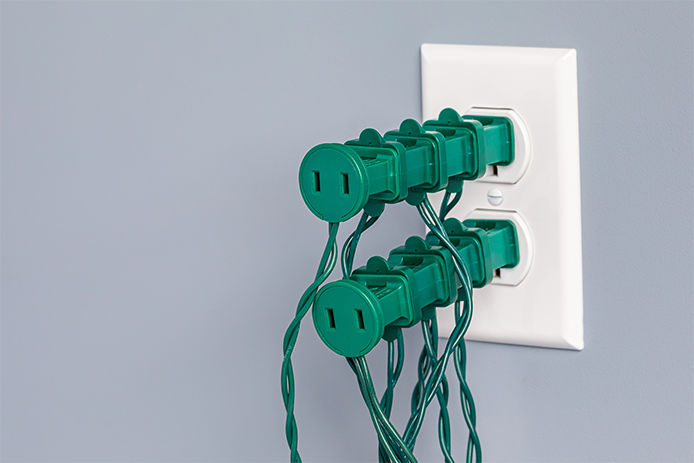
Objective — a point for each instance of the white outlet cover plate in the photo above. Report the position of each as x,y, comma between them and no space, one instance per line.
539,84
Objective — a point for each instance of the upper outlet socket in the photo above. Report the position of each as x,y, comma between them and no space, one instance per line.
513,172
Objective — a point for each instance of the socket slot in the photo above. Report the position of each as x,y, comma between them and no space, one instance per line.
316,181
360,319
345,183
331,318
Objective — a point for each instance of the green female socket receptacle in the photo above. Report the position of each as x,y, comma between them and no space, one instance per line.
333,182
348,318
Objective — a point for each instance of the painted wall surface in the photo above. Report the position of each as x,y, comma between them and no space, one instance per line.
154,242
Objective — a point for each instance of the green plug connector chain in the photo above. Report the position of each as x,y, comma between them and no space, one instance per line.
337,180
376,301
351,315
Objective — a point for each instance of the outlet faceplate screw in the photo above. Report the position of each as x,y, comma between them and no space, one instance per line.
495,197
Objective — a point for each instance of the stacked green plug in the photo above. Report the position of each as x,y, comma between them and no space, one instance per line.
352,315
338,180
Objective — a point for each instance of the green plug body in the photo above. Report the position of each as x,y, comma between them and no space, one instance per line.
352,315
337,180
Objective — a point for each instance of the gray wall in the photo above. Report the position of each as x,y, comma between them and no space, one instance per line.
154,242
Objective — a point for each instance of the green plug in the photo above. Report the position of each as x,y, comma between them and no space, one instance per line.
484,245
336,181
350,316
333,182
480,141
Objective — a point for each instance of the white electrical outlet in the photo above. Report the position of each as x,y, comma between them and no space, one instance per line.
539,302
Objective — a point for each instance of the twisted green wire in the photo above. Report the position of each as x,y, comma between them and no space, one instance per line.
467,402
422,392
466,396
446,206
414,424
393,441
428,357
350,247
391,447
326,266
460,354
383,441
430,332
393,371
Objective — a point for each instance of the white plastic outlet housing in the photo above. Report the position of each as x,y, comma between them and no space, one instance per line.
540,302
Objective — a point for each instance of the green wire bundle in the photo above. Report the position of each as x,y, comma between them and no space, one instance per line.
431,378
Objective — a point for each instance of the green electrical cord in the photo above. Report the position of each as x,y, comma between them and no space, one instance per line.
430,334
466,400
446,206
393,370
350,246
460,355
326,266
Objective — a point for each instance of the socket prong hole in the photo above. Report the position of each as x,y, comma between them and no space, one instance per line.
331,318
345,184
360,319
316,181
